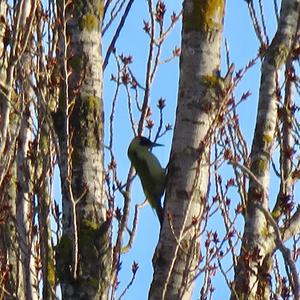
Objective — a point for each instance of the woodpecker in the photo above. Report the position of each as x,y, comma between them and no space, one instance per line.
149,170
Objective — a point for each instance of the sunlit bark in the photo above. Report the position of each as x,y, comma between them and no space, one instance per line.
84,254
199,97
252,271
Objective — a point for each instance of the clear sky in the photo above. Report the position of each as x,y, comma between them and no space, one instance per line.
133,41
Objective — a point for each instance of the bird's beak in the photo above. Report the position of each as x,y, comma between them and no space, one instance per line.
156,145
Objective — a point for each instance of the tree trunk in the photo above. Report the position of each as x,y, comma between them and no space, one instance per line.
84,252
12,269
252,271
200,97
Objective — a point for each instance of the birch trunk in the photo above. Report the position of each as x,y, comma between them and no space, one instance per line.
84,254
13,281
253,268
177,253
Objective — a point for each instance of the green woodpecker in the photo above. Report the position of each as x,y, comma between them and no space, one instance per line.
150,171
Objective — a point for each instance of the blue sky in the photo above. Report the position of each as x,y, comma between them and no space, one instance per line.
243,46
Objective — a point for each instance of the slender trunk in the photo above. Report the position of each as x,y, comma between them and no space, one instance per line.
25,209
250,281
12,281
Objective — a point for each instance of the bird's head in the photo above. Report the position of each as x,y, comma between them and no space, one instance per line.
141,142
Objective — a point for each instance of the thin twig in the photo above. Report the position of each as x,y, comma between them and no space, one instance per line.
117,33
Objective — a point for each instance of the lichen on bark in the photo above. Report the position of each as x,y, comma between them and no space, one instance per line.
205,15
87,121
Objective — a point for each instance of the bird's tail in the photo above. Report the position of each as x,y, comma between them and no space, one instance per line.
160,214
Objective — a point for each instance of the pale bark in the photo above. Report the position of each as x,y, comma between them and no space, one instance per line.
42,184
25,210
177,253
84,254
17,49
25,207
13,286
251,274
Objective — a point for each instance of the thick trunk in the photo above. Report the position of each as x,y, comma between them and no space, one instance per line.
84,255
177,254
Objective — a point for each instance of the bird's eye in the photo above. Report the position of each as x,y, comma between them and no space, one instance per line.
145,142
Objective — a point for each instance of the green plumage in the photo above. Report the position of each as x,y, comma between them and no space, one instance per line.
149,170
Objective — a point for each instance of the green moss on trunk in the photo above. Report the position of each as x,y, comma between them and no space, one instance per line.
89,22
206,15
87,122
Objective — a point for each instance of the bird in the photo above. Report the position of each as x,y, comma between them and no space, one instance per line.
149,170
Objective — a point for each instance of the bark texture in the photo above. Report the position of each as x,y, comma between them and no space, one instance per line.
177,254
84,252
252,271
12,283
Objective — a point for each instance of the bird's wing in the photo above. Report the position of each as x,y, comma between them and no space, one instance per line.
152,175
